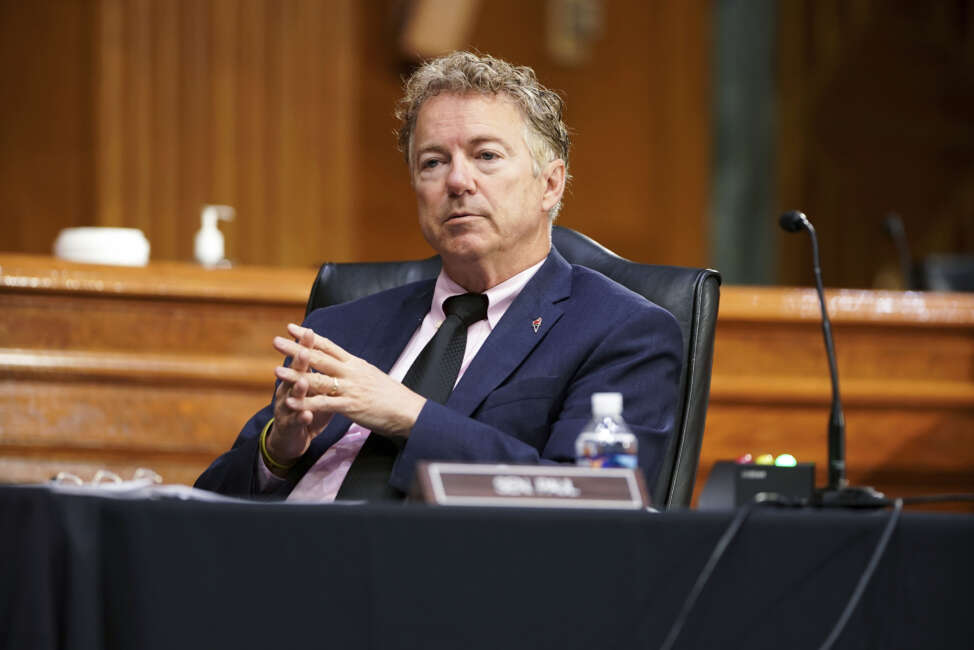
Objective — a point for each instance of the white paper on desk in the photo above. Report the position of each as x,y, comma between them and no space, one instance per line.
141,489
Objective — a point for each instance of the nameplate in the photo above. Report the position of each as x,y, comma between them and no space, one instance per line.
527,486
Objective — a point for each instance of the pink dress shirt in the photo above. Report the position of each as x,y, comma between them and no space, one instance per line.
322,481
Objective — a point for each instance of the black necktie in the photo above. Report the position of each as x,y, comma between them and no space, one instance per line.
435,370
432,375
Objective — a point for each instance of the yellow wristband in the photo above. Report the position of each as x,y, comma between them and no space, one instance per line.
266,455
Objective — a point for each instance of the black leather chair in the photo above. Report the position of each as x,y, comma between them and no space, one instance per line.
943,272
691,295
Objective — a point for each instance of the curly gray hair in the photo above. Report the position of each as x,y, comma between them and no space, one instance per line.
463,72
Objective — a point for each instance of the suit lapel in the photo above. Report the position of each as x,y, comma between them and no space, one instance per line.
515,336
392,329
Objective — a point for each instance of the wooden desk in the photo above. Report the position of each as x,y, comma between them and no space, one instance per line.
906,373
160,366
119,368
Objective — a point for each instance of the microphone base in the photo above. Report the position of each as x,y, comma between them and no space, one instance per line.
849,497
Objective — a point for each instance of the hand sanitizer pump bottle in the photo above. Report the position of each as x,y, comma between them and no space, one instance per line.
606,440
208,246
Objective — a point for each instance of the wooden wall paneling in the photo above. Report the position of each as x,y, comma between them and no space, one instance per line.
384,207
434,27
247,104
139,103
313,200
196,126
267,172
226,98
341,70
610,109
262,105
290,130
679,115
167,55
196,132
108,79
790,157
875,103
246,234
45,181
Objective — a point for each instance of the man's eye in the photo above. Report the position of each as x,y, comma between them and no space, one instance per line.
488,155
430,163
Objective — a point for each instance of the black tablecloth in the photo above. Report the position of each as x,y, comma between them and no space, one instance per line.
92,572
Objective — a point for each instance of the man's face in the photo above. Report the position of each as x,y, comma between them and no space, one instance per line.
480,203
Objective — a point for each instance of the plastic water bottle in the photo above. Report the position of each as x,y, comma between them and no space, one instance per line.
606,440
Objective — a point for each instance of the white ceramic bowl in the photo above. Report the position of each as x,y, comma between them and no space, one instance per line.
119,246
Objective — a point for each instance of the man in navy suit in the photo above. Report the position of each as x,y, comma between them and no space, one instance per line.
488,158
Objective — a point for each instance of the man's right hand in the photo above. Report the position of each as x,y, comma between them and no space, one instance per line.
293,429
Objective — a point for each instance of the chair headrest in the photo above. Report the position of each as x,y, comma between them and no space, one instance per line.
671,287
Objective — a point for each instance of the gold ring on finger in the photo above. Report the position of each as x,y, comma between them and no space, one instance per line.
334,387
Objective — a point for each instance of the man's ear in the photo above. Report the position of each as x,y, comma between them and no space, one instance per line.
553,175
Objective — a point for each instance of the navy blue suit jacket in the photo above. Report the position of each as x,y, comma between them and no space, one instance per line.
525,396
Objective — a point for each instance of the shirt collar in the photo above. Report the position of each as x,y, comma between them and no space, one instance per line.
499,296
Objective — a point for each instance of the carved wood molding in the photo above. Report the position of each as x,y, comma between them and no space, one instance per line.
895,349
787,304
141,368
161,280
785,391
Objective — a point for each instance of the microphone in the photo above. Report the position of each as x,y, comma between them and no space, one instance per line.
893,226
837,492
793,221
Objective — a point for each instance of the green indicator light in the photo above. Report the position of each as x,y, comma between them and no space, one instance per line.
785,460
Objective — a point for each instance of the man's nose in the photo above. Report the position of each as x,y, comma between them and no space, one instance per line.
460,180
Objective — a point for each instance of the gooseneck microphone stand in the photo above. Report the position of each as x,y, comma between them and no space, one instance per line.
838,492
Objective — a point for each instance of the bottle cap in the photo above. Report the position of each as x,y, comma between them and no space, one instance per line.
606,404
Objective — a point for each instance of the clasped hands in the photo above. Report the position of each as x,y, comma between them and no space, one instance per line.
324,379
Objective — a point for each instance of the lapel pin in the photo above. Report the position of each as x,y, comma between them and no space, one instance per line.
536,323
